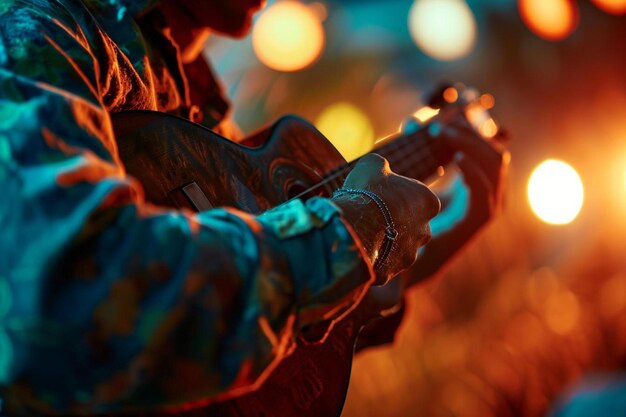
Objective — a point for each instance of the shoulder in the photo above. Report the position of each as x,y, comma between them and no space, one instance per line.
27,21
65,44
40,44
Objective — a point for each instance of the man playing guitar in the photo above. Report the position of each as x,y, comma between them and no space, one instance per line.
109,303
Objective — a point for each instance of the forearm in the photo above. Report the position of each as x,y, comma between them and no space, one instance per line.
137,302
115,301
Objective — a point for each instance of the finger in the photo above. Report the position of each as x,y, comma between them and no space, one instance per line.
463,138
492,159
480,186
426,203
371,164
369,167
376,162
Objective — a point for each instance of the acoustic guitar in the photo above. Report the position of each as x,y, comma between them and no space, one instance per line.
182,164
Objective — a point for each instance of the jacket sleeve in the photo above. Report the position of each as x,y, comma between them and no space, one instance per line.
108,303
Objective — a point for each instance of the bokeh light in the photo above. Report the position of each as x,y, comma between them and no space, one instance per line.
319,9
488,101
450,95
615,181
425,113
551,20
488,128
348,128
443,29
617,7
555,192
562,312
612,296
288,36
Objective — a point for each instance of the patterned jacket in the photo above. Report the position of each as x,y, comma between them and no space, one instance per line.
109,303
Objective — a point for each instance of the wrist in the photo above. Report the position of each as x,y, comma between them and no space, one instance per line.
390,235
362,215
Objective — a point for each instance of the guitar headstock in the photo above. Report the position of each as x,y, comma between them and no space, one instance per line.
450,101
416,152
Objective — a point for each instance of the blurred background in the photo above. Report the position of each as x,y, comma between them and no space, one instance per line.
531,320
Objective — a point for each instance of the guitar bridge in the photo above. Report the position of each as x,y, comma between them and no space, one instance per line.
190,196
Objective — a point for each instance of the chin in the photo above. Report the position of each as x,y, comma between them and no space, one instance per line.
232,18
242,31
236,28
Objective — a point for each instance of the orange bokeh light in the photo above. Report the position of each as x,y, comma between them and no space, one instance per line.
551,20
611,6
450,95
289,35
612,297
487,101
488,128
562,311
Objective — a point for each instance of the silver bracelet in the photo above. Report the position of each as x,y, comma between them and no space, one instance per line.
391,234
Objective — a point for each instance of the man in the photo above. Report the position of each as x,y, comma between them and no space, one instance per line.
108,303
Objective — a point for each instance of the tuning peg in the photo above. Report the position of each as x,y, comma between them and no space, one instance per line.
410,125
437,98
502,135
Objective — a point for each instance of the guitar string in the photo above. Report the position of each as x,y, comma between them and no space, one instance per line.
422,152
337,176
415,159
418,155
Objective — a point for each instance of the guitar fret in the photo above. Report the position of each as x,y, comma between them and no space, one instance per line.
416,156
411,155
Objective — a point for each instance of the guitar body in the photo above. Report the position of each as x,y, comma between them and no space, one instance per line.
167,154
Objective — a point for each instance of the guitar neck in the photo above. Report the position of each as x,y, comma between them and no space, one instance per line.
417,155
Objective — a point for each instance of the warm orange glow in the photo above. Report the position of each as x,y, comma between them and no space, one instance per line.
450,95
562,312
612,297
487,101
481,119
425,113
611,6
461,401
549,19
525,331
348,128
617,181
320,10
288,36
488,128
555,192
542,283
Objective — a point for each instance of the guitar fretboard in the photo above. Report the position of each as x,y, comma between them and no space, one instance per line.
417,155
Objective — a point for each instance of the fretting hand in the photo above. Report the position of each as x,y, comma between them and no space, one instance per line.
410,203
483,165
